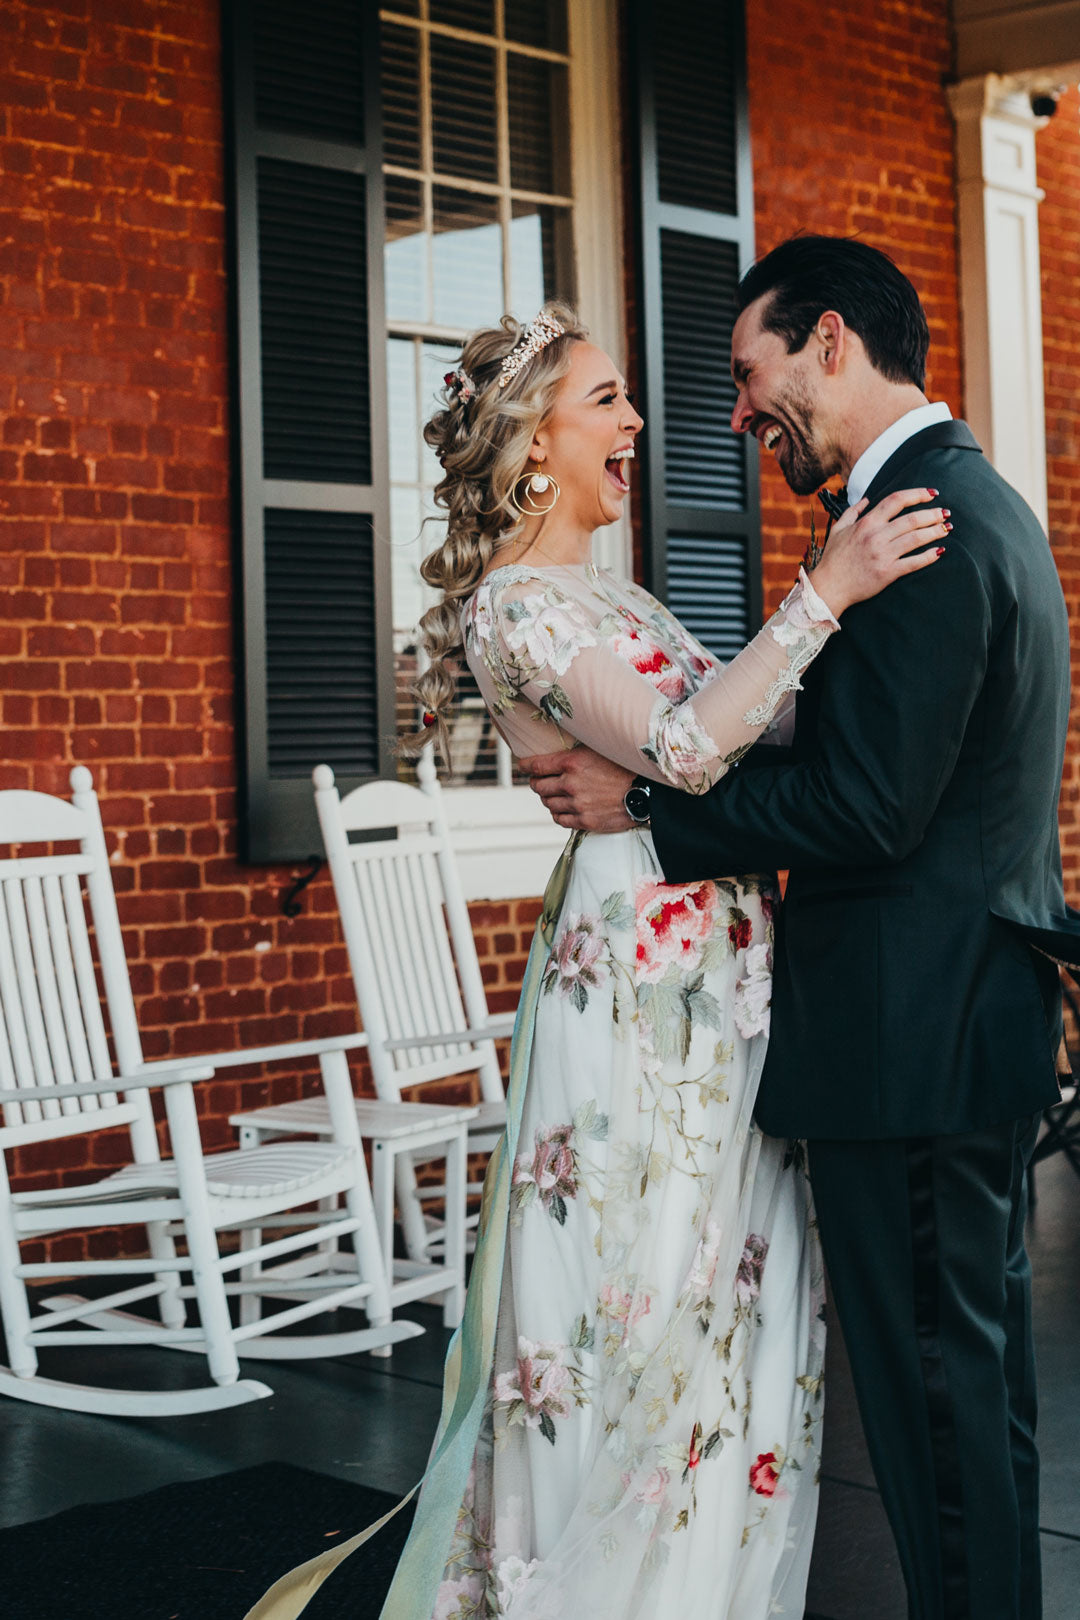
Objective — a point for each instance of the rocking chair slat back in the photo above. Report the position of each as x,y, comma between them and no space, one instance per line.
53,1028
408,930
405,936
85,1002
18,1036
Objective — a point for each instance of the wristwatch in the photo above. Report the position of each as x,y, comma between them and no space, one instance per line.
637,801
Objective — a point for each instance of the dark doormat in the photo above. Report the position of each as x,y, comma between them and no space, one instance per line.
203,1550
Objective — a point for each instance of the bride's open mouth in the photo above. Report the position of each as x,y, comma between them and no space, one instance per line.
616,469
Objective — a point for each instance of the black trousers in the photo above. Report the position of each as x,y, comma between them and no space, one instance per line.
924,1244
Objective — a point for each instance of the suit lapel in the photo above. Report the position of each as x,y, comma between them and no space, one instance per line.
954,435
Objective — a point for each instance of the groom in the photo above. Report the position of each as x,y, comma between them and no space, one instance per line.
916,1007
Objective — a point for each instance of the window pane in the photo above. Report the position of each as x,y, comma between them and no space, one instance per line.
401,397
473,737
467,259
436,360
479,15
406,252
408,545
537,22
463,109
539,124
401,96
541,257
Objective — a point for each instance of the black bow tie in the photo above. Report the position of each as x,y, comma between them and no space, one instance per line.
835,504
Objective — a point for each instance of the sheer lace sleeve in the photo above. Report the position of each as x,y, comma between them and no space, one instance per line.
533,641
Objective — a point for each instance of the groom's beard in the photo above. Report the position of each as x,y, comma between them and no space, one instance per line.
796,455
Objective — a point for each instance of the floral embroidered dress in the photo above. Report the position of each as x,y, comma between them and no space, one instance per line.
650,1443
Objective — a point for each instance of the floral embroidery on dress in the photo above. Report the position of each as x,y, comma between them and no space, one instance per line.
466,1592
544,631
576,964
551,1173
512,1577
751,1266
765,1474
682,748
623,1307
802,624
649,659
555,1170
539,1388
753,993
674,920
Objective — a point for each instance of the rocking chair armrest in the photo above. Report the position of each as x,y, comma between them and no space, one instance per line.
284,1050
494,1030
158,1074
501,1026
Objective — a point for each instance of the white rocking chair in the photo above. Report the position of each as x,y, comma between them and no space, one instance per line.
421,997
57,1081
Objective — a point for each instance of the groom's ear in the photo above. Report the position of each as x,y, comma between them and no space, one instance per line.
831,334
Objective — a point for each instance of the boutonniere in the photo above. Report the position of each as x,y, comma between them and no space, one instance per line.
816,549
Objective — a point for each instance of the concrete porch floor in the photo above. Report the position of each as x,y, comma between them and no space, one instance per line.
372,1420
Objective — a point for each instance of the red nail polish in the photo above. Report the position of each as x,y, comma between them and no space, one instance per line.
949,527
941,551
933,492
946,511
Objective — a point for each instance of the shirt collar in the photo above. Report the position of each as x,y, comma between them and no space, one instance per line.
875,456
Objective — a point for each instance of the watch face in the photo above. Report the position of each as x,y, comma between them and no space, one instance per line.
637,803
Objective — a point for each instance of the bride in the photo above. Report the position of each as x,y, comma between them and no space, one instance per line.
632,1414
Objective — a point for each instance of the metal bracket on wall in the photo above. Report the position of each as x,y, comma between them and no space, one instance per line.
290,899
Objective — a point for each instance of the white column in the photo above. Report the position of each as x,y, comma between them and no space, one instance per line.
1001,296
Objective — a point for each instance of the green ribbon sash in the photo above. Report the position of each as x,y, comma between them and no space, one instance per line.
469,1359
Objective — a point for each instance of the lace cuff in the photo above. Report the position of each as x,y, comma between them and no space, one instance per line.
801,625
816,608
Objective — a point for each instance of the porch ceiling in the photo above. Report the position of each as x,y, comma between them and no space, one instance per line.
1015,36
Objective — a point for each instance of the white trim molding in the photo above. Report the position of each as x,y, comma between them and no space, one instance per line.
598,222
1000,286
505,841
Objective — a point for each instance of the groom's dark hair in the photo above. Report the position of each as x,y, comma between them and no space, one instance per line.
807,275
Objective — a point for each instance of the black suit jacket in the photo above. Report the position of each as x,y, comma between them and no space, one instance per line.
917,812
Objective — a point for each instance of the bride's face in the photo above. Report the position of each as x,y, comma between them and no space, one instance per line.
587,443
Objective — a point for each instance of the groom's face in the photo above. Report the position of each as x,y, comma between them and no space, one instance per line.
778,401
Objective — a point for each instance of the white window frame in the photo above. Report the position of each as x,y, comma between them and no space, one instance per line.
505,840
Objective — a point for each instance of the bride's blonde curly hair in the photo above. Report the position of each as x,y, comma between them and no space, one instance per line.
482,438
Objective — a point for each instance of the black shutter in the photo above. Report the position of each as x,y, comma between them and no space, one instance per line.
311,464
695,239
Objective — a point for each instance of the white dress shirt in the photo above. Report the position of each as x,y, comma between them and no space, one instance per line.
875,455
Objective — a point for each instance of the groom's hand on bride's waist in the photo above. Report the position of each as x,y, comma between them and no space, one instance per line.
581,789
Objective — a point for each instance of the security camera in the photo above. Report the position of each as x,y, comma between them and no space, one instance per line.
1044,103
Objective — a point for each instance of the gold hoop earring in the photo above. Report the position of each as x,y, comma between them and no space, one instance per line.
537,483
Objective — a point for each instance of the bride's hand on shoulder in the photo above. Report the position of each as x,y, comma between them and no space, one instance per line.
870,549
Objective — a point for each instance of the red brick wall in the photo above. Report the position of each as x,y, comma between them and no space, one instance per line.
116,634
1058,158
852,133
